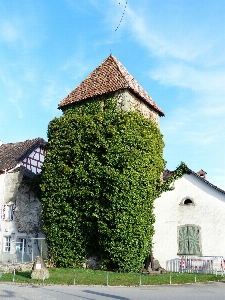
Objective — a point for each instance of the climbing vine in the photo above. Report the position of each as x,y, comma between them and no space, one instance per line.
178,173
100,177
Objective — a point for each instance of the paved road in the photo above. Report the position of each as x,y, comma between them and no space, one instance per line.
206,291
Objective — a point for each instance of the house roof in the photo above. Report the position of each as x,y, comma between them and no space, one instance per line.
11,154
109,76
167,174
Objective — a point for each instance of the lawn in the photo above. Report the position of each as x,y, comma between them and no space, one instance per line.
94,277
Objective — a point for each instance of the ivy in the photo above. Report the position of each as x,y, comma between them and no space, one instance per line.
178,173
101,174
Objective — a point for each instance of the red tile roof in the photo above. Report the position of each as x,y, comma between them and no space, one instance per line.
11,154
109,76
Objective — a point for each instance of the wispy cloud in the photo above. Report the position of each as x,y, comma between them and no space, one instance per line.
15,99
9,31
52,93
189,57
189,76
76,66
25,30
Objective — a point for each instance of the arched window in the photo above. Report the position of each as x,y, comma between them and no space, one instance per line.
188,201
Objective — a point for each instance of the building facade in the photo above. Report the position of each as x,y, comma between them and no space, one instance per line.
20,222
189,220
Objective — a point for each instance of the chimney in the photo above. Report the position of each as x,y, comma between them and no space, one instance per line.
1,142
202,174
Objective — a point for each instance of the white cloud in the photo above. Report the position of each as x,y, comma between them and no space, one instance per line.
189,55
9,31
188,76
51,95
22,27
161,42
82,6
16,101
76,66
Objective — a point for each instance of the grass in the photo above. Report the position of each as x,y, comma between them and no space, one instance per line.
94,277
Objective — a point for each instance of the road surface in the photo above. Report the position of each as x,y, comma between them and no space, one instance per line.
206,291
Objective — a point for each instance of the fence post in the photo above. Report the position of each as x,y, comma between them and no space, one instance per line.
14,273
43,278
74,278
170,278
139,278
32,249
107,278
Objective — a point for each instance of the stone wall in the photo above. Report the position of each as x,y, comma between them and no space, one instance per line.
129,102
28,211
11,185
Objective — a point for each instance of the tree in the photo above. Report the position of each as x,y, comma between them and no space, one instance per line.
100,177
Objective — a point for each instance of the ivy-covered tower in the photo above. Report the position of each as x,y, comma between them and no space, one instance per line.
111,78
102,171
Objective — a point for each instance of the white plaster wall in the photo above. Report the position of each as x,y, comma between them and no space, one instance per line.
208,212
2,179
8,186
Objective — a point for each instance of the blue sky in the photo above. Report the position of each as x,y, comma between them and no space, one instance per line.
174,48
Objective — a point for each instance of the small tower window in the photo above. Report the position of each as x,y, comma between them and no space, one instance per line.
188,201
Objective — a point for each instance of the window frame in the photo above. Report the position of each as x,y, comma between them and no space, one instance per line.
20,242
7,243
9,212
187,204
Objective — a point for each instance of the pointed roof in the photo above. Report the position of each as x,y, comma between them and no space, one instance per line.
13,153
109,76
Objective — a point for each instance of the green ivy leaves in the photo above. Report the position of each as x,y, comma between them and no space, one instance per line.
100,177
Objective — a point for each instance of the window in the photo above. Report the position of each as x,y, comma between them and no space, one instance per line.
7,243
188,201
189,240
9,210
22,244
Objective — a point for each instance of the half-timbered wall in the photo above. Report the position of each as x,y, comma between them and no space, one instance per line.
35,160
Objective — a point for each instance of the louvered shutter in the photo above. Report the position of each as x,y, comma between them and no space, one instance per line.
193,236
183,240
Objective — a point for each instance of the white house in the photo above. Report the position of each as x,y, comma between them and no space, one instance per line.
20,220
189,219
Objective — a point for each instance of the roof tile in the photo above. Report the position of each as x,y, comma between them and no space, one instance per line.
11,154
109,76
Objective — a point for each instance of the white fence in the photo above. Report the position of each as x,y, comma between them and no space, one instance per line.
197,264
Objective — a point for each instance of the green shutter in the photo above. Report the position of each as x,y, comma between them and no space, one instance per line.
183,240
193,236
189,240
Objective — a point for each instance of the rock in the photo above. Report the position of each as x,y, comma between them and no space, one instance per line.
156,264
162,271
92,263
39,269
